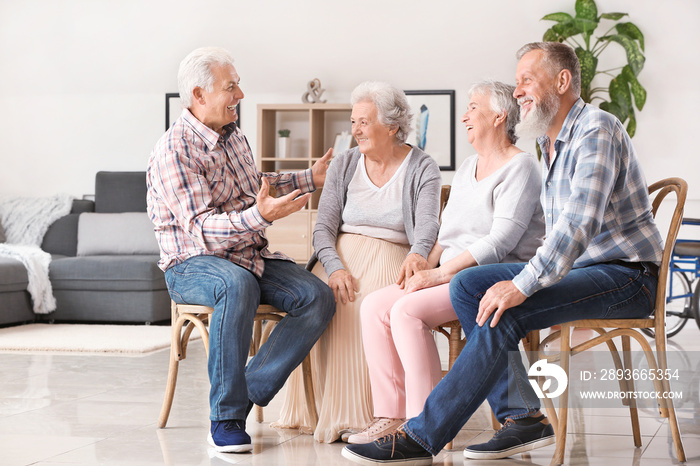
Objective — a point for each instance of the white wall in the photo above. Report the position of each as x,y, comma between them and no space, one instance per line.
82,82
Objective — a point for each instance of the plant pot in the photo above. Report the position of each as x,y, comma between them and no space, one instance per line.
284,147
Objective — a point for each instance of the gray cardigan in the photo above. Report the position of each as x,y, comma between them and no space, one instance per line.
421,205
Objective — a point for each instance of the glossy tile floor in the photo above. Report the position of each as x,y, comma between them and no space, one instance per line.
85,410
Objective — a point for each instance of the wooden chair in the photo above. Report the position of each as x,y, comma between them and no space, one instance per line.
607,329
185,317
452,329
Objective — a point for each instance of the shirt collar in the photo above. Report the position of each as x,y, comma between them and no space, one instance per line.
210,137
570,120
567,127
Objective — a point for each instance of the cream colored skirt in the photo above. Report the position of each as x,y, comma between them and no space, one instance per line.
339,371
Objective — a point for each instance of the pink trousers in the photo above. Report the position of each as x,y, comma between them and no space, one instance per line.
403,361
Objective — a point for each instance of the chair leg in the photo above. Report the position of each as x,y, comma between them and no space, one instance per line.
565,352
309,392
668,406
673,424
494,422
175,355
169,389
634,415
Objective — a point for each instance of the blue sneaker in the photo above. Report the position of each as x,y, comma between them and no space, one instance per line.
394,448
229,437
511,439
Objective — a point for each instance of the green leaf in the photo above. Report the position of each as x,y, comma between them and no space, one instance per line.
586,25
638,92
620,96
566,29
589,64
615,109
632,31
586,9
632,125
605,105
558,17
613,16
634,56
550,36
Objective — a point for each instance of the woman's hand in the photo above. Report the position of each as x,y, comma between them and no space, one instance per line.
426,279
343,285
413,263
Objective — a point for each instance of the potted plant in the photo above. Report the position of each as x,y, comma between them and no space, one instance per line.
624,92
284,143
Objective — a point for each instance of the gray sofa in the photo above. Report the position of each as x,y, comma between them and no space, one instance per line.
104,261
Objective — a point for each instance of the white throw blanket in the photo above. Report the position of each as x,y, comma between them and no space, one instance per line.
25,221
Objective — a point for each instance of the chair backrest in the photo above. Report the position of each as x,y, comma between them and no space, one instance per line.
662,189
444,197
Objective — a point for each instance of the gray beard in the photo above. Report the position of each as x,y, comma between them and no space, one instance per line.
538,120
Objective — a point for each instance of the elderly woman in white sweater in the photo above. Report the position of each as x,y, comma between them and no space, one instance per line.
493,215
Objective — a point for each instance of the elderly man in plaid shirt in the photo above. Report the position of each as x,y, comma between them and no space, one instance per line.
599,260
210,207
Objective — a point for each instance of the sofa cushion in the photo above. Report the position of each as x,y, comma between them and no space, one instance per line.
120,192
107,273
13,275
116,234
62,236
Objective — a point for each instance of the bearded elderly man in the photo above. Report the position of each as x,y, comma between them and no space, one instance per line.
210,207
599,260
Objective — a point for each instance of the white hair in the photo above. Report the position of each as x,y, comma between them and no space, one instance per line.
502,100
196,71
393,109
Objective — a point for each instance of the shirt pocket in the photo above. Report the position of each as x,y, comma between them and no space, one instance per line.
215,173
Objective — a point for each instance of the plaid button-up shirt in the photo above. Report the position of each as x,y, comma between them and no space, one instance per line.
201,195
595,200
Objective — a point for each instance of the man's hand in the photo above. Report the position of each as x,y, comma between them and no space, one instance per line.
500,297
413,263
319,169
425,279
343,285
275,208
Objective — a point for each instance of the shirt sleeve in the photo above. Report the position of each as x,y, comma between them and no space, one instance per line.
330,211
516,199
285,183
184,189
592,183
427,208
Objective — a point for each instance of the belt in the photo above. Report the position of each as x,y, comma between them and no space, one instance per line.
643,266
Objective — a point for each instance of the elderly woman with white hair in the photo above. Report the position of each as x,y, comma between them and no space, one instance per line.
493,215
377,223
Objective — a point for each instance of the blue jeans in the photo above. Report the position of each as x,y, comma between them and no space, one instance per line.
234,292
602,291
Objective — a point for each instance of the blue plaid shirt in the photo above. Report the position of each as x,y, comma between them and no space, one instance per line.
595,200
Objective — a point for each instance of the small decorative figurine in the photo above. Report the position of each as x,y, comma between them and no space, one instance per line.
313,93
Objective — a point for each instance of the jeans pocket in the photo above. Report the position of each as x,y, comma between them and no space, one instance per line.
639,305
170,282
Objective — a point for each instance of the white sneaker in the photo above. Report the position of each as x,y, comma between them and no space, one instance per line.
376,429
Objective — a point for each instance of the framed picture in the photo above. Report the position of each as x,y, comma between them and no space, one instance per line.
433,128
173,109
